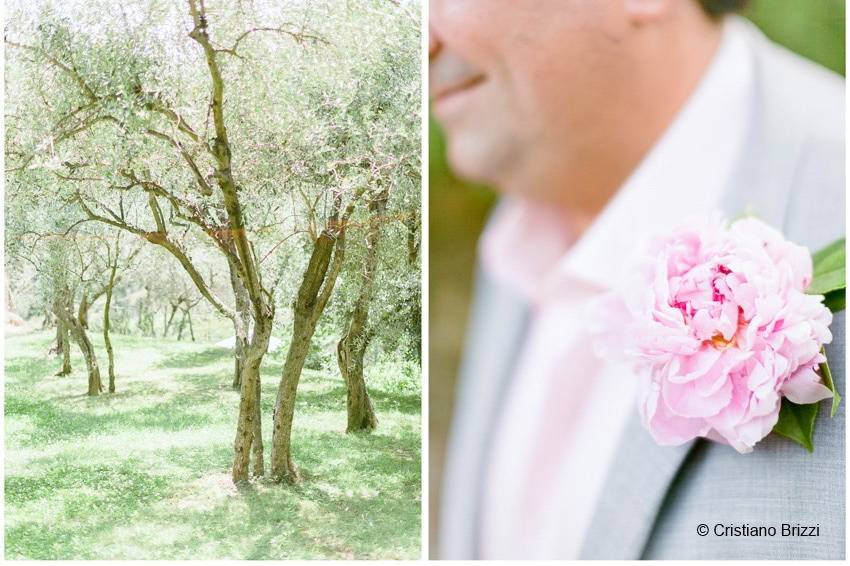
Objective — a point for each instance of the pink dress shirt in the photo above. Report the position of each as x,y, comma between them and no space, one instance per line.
565,408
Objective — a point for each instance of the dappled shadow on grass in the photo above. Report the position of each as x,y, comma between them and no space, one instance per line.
333,394
359,498
145,473
55,412
113,494
113,486
30,369
195,358
53,424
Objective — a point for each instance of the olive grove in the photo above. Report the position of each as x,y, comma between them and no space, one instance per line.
182,165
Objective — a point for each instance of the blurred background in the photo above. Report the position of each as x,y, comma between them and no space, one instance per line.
813,28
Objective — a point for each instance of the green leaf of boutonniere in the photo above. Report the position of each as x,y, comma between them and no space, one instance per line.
836,300
828,270
797,423
826,374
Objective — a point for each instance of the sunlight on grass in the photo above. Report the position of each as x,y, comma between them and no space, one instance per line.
144,473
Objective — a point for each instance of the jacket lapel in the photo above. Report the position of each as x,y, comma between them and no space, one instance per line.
498,323
642,471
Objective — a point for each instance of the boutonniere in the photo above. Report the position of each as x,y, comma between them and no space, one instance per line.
725,325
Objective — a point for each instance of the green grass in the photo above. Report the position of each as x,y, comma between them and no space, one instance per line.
144,473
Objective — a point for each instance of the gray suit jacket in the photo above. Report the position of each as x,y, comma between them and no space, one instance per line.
792,176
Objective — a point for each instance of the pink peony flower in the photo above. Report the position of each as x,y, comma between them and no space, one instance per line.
719,328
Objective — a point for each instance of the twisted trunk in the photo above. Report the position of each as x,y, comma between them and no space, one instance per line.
351,348
83,313
191,326
63,346
145,317
181,326
313,294
66,349
95,385
246,265
414,305
106,327
350,352
249,438
170,319
64,309
241,322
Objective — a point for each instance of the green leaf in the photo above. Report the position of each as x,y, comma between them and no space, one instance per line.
829,258
836,300
826,374
828,281
797,423
828,269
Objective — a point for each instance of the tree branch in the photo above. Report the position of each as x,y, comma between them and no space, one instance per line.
206,190
161,239
299,37
58,64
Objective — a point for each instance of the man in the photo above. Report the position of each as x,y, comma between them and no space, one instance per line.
600,123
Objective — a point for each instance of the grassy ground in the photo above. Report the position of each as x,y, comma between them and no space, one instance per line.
143,474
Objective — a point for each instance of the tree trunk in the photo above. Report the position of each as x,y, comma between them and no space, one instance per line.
63,347
77,330
191,326
313,293
262,305
95,385
106,326
180,327
48,319
414,305
252,328
167,326
241,323
140,315
351,349
350,353
412,224
66,349
83,314
146,321
257,442
282,466
249,439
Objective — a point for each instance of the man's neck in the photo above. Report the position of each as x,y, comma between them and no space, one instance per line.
667,77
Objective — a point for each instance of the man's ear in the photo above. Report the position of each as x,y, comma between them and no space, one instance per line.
641,12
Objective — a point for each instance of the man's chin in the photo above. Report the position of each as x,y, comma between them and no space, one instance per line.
473,161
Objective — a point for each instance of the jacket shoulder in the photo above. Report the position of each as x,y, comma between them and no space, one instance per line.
814,94
808,108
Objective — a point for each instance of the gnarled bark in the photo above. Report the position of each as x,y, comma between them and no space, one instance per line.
241,322
63,347
94,382
106,323
66,349
247,267
351,349
350,352
65,311
313,293
249,438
